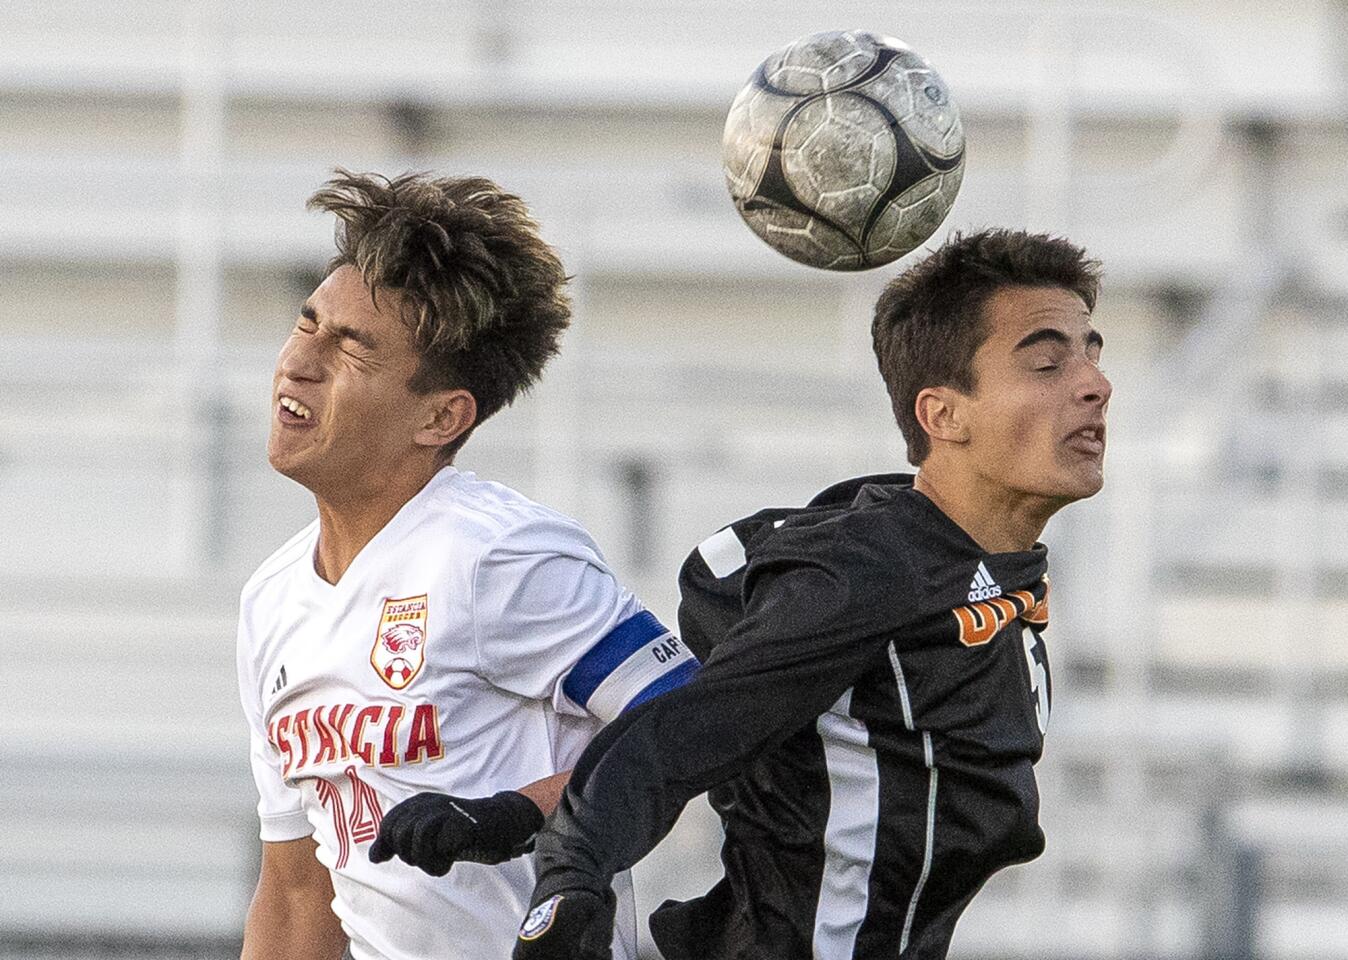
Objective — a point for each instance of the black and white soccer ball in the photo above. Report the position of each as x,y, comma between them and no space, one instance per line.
844,151
398,671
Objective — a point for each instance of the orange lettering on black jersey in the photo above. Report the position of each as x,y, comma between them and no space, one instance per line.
1005,607
980,622
1038,613
423,743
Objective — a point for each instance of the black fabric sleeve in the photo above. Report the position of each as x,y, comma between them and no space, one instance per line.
810,629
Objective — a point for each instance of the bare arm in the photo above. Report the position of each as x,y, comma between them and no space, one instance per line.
547,793
291,915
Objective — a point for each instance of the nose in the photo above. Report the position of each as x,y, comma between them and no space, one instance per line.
299,359
1096,388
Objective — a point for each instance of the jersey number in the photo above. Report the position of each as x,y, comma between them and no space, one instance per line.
362,825
1038,678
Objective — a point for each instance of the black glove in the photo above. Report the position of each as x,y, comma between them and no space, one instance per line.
572,925
432,830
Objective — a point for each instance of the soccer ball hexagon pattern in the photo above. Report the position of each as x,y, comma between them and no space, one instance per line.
398,671
844,150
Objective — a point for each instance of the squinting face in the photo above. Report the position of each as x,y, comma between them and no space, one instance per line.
1036,418
343,415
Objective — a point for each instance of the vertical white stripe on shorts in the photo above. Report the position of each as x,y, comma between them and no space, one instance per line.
849,837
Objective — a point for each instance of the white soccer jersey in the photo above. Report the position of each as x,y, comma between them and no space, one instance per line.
474,645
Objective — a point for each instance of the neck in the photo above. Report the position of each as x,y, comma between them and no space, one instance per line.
998,519
351,519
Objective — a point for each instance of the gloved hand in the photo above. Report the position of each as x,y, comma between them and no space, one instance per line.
433,831
572,925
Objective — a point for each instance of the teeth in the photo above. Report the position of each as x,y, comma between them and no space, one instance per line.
295,407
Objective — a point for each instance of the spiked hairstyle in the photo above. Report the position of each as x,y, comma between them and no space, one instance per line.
482,294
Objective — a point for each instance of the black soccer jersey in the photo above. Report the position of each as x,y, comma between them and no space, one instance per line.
873,697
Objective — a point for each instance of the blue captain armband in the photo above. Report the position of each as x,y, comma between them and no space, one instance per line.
637,660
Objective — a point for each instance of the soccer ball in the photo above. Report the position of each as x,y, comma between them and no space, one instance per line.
398,671
844,150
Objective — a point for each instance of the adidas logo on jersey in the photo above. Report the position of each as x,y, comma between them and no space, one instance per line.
280,683
983,587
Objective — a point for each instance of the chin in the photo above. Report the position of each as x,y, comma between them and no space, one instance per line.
1082,486
1062,488
286,466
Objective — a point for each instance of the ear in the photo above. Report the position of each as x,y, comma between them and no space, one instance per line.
449,413
941,412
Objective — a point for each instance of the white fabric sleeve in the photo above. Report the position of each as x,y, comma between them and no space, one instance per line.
280,807
552,623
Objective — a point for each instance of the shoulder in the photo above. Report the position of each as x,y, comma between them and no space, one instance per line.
492,520
297,549
267,590
838,531
868,543
829,527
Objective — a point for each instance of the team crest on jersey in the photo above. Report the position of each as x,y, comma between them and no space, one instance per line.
400,643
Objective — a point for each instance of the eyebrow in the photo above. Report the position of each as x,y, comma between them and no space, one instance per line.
1052,335
340,329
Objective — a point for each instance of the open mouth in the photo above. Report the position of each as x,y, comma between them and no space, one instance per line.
1088,440
291,410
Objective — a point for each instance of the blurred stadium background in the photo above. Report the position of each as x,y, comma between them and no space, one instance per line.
155,156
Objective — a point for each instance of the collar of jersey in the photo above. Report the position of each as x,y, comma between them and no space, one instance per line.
406,513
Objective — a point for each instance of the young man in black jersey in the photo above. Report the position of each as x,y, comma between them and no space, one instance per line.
875,688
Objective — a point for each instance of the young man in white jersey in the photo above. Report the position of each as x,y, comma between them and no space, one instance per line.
420,666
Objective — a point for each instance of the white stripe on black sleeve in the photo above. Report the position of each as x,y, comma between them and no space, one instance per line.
723,553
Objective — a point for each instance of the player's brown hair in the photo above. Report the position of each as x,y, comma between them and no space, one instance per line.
482,293
929,321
